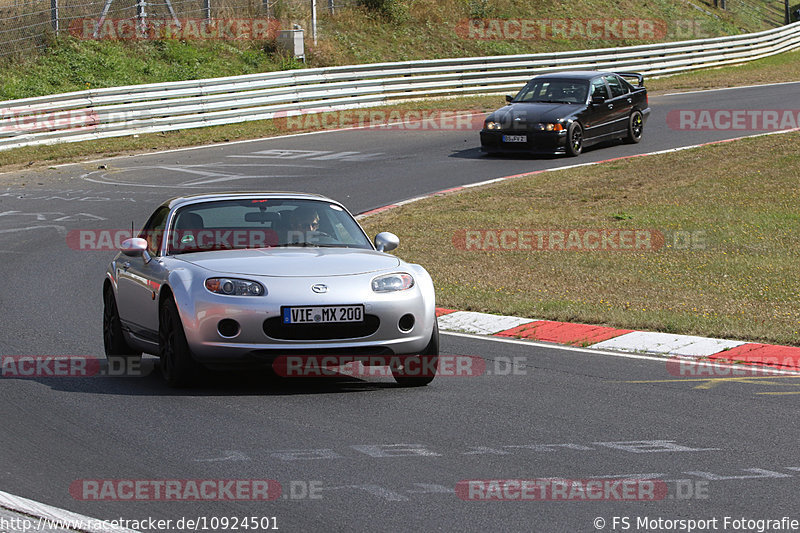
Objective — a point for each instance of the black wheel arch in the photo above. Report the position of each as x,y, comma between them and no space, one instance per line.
164,294
108,286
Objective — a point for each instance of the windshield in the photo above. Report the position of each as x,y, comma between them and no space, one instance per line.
555,91
263,223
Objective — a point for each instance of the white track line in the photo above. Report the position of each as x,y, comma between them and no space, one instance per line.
59,516
242,141
592,351
727,88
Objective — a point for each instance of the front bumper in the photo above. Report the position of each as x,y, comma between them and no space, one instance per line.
537,142
202,315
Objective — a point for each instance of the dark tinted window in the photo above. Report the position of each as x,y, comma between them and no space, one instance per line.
553,90
617,88
626,84
153,231
599,88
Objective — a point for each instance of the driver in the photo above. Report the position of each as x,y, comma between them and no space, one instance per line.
304,219
303,223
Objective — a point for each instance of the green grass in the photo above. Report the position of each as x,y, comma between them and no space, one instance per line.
419,29
428,28
71,65
738,277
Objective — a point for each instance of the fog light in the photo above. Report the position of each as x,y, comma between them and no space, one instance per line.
406,322
228,327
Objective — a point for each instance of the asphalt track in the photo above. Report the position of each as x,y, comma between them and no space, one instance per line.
382,457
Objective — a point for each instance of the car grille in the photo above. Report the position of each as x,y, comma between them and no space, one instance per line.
271,354
276,329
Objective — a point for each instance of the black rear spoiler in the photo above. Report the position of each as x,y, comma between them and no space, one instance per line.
639,77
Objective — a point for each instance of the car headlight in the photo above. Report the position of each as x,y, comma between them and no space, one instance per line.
392,282
492,125
235,287
551,126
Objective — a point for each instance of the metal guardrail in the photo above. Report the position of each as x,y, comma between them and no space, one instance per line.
137,109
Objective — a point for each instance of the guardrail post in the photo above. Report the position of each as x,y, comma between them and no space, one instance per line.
54,14
314,20
141,17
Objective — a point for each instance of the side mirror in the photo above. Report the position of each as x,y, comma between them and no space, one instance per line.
135,247
386,242
509,98
598,100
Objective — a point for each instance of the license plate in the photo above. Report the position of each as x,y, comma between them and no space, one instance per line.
323,314
515,138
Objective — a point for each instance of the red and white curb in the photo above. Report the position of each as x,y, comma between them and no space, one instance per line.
45,517
478,323
621,340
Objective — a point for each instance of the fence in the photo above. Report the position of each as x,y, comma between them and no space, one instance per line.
120,111
28,25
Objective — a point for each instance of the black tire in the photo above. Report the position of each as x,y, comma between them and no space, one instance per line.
574,140
635,128
178,367
116,347
428,359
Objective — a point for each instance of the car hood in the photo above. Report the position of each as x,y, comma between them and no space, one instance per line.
293,262
522,114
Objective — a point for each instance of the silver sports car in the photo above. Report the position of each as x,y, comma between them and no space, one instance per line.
224,280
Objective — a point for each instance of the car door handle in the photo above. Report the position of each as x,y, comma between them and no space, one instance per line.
126,265
630,100
611,106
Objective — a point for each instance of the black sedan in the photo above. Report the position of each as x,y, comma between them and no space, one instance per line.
565,112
